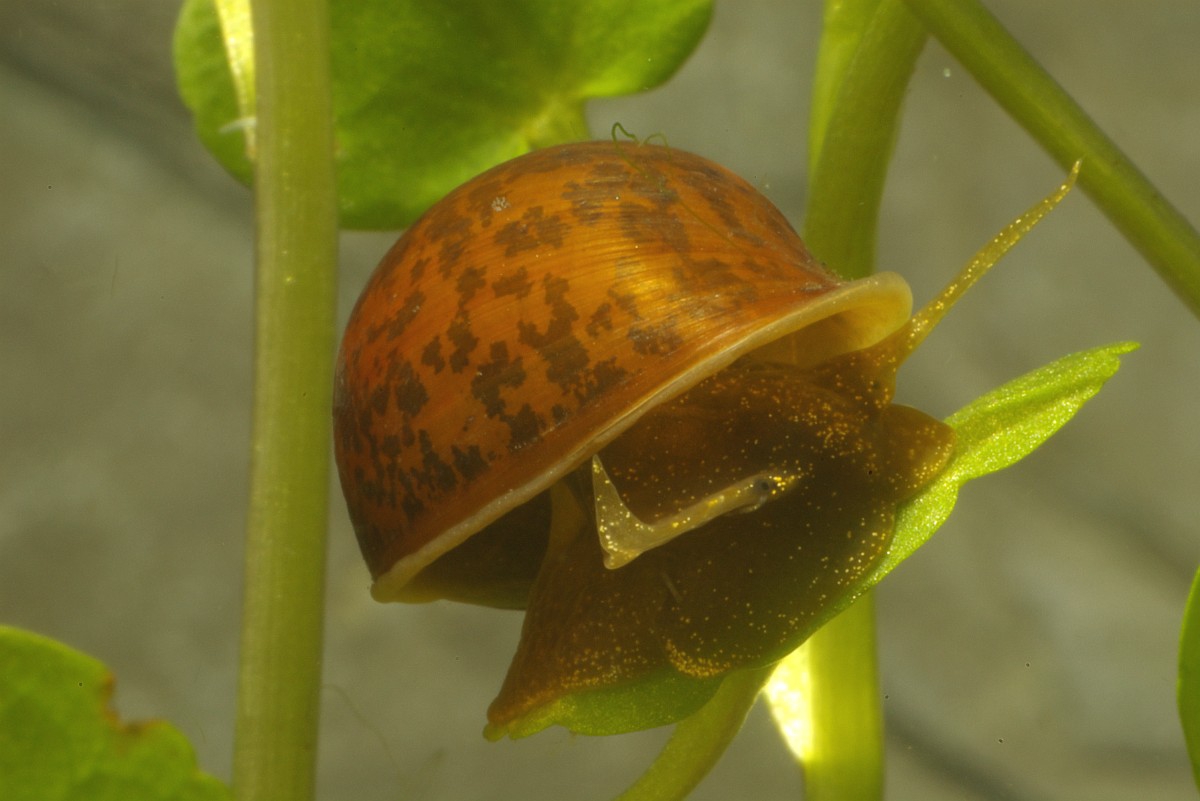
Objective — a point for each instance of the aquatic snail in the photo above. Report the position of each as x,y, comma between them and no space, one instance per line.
607,383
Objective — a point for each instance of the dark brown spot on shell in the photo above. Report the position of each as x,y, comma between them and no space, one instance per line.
410,504
495,375
390,447
601,320
417,271
607,375
655,340
411,395
720,200
469,462
431,356
379,399
588,200
626,302
565,356
470,281
516,284
532,231
404,315
716,280
525,427
452,231
459,333
435,473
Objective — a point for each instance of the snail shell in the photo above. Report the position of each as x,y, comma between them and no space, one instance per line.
609,384
538,312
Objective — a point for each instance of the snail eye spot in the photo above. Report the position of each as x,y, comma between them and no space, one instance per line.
764,488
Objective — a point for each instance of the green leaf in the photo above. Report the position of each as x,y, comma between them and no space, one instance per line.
997,430
660,699
60,740
427,95
207,86
1188,689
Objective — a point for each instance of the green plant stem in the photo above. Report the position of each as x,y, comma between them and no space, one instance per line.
855,133
1036,101
295,205
846,756
699,741
843,26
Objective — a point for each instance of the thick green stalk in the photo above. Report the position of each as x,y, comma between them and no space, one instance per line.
844,759
843,26
1035,100
295,205
853,136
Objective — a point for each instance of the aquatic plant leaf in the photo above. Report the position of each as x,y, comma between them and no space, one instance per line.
427,95
60,740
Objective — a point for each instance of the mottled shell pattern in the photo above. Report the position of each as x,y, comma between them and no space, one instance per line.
540,310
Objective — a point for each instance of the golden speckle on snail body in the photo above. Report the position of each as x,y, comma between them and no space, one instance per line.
609,384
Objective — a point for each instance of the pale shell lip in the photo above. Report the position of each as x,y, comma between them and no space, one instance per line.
874,307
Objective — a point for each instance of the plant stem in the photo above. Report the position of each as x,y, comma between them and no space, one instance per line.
699,741
296,213
1035,100
845,754
853,136
843,26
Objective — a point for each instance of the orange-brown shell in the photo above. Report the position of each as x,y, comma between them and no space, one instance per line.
537,311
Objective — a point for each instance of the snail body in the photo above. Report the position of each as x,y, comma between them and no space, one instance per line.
608,383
